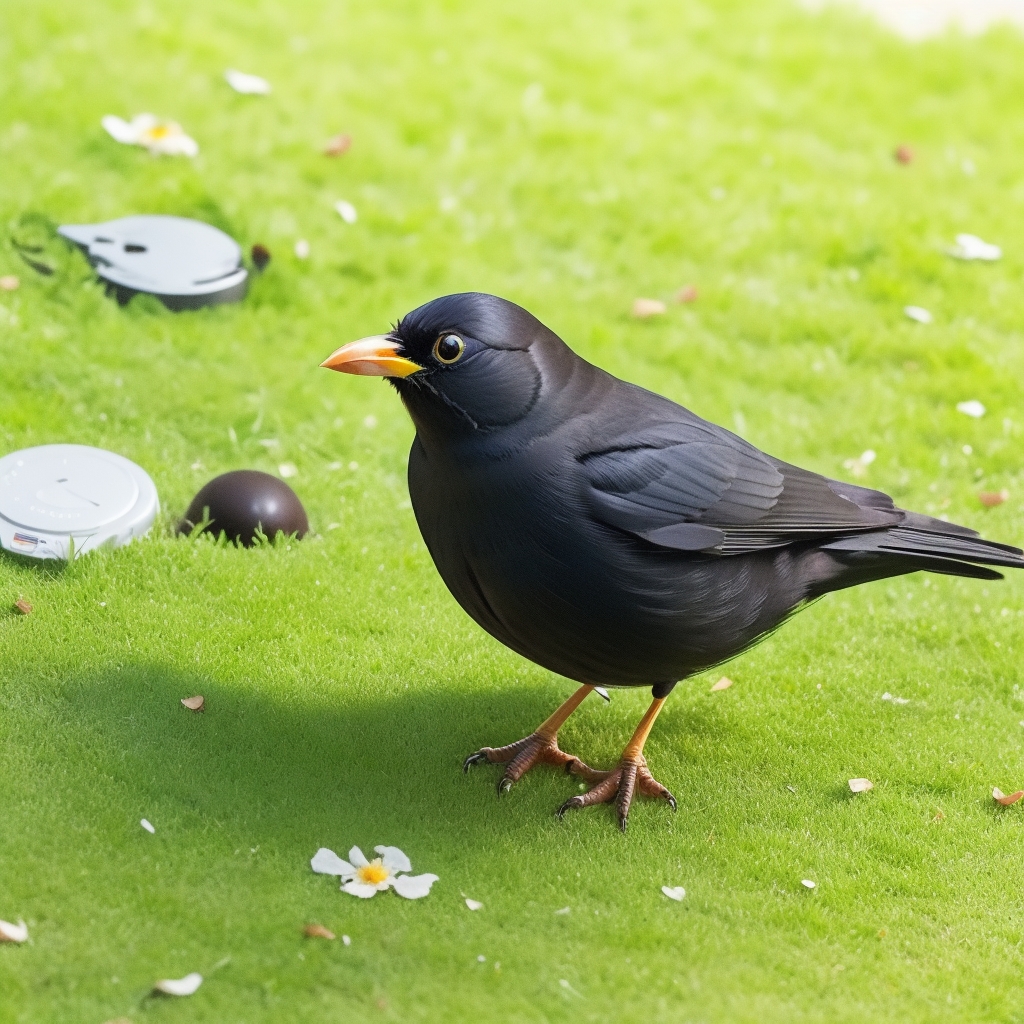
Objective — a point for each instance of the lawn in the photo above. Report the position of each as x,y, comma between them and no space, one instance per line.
571,159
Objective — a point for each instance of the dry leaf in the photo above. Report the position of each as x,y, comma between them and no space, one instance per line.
688,293
474,904
939,815
861,785
179,986
196,703
22,606
992,498
903,155
674,892
644,308
338,145
723,684
317,931
9,283
1006,800
260,256
13,932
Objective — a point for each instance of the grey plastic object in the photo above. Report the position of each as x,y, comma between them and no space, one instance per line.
184,263
59,498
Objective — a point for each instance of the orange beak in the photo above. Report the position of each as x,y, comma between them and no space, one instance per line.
372,357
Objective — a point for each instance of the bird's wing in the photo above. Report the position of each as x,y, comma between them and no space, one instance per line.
691,486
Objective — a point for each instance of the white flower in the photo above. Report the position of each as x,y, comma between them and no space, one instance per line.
973,408
918,313
346,211
971,247
159,137
365,878
250,84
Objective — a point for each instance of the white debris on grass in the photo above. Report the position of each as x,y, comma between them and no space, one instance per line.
474,904
288,470
13,932
147,826
644,308
918,313
972,408
674,892
302,249
564,910
859,466
346,211
808,884
861,785
971,247
895,700
250,85
179,986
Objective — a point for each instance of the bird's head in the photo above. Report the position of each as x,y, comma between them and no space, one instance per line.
462,362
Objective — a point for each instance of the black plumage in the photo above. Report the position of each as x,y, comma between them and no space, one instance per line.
611,535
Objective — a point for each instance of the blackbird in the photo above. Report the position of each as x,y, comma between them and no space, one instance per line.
607,533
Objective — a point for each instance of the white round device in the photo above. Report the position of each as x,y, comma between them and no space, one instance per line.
62,498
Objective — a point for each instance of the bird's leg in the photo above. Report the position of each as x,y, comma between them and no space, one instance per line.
621,783
540,747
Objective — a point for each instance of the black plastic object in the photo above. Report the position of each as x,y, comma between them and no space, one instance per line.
184,263
244,501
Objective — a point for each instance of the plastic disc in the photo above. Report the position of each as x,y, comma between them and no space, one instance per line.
57,494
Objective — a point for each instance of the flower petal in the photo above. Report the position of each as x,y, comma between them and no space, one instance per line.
357,857
393,858
119,129
327,862
360,889
179,986
13,932
251,85
413,887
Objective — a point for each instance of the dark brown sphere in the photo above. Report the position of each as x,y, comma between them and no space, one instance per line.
243,500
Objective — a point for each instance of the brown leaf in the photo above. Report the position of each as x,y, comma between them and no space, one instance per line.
688,293
861,785
196,703
338,145
22,606
992,498
644,308
260,256
1006,799
939,815
723,684
903,154
317,931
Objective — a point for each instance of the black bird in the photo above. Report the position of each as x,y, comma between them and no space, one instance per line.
607,533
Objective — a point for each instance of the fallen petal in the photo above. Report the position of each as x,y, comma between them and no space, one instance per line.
10,283
302,249
288,470
413,887
474,904
723,684
393,858
918,313
903,155
361,889
196,703
1006,799
688,293
13,932
338,145
971,247
147,826
674,892
327,862
644,308
990,499
119,129
346,211
564,910
317,931
251,85
179,986
346,940
357,857
807,883
973,408
22,606
861,785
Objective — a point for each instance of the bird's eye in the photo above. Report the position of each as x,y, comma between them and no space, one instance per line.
449,348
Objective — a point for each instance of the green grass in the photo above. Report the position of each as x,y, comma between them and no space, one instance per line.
563,157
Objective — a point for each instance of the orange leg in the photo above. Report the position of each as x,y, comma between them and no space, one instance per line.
621,783
540,747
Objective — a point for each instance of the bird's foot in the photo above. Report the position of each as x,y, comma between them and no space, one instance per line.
522,755
619,785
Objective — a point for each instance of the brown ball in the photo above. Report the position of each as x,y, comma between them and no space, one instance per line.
244,500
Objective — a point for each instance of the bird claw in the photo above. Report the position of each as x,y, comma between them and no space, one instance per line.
521,756
619,786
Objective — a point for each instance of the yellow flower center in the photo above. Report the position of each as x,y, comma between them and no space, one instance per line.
373,873
160,131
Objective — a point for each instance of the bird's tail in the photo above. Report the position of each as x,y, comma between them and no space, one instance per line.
921,542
